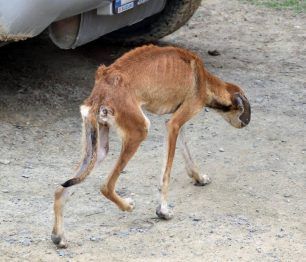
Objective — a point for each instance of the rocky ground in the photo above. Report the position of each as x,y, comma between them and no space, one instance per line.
255,207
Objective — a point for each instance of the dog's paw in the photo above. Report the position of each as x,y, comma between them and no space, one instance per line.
130,204
59,240
205,180
164,212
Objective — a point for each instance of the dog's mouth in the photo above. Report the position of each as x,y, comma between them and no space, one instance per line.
245,117
245,109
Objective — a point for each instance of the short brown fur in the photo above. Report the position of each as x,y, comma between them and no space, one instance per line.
161,80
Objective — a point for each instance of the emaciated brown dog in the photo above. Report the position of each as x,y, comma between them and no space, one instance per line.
161,80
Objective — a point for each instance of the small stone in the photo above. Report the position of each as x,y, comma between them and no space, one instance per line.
5,191
221,149
213,52
5,161
26,242
287,195
258,82
28,166
61,253
25,176
280,235
93,239
125,233
10,241
252,230
259,99
206,109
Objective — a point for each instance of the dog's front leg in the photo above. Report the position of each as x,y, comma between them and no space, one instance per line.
191,168
186,111
163,210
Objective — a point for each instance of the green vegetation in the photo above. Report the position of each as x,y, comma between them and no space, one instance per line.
296,5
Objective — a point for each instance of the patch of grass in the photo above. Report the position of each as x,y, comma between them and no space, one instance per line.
296,5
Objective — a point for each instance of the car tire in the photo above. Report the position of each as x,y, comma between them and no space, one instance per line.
175,14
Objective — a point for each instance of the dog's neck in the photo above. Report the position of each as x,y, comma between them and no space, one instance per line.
217,94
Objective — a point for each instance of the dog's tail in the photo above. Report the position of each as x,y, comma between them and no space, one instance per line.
90,133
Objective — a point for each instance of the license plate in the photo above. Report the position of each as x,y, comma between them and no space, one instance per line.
121,6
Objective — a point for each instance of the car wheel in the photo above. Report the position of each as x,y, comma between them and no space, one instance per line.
175,14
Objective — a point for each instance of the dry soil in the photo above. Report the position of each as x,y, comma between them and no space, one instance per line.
253,210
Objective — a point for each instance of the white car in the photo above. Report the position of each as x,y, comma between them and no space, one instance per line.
72,23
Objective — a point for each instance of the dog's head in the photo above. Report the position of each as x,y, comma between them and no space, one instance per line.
234,107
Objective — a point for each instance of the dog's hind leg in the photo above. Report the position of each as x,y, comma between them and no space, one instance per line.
191,168
95,145
103,142
133,127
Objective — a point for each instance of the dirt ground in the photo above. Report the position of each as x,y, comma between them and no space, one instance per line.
253,210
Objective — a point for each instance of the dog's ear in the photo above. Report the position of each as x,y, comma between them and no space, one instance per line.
241,102
100,71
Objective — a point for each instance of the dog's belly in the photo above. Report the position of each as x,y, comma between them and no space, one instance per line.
161,109
163,104
163,99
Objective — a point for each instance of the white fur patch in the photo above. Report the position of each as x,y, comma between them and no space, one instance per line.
148,123
131,202
164,207
84,110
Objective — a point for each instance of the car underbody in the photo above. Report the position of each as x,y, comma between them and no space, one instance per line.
71,23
